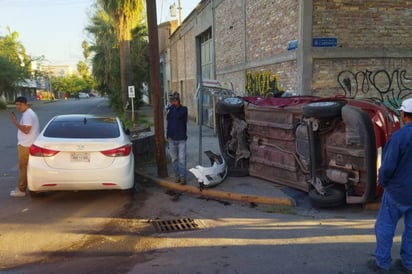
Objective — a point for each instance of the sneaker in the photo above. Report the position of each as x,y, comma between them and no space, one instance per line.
17,193
371,264
399,266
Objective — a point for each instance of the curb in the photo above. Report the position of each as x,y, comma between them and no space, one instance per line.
372,206
216,194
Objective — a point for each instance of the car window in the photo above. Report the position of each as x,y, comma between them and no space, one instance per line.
83,127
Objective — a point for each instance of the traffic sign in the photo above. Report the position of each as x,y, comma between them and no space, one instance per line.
131,92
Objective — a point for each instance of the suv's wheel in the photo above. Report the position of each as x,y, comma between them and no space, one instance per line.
326,109
230,105
333,197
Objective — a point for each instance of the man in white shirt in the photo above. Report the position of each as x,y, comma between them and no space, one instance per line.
28,130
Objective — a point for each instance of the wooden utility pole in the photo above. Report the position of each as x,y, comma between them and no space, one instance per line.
154,60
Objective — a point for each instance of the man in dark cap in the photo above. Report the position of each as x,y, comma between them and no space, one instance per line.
177,135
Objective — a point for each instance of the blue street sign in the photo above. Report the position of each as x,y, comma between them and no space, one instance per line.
325,42
293,44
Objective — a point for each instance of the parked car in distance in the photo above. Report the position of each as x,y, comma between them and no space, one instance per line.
81,152
329,147
83,95
93,94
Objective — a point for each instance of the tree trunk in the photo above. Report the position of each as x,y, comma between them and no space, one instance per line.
125,69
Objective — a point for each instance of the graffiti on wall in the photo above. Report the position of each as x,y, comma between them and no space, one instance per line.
387,87
263,83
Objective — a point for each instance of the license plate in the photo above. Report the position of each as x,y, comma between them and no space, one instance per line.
83,157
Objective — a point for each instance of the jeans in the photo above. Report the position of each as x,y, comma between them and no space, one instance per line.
23,155
389,214
178,155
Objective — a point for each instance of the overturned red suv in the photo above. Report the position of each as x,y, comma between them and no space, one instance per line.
329,147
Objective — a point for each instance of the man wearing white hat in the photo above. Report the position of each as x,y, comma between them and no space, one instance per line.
395,176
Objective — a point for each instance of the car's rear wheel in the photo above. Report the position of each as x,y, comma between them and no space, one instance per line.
35,194
333,197
327,109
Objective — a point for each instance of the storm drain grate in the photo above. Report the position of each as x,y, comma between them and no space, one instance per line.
175,225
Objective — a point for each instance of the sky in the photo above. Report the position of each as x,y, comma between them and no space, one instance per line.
55,28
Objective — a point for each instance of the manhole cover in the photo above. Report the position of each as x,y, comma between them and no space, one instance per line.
175,225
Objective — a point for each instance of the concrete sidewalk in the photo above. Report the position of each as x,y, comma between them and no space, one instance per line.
243,189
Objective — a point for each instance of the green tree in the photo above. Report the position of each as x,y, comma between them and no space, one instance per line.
83,68
15,64
140,59
126,15
71,84
105,61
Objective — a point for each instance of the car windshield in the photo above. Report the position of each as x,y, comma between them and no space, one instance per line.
82,127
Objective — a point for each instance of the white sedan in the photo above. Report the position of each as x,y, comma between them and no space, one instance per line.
83,95
81,152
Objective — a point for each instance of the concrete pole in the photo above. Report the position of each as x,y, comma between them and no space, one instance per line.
154,59
304,51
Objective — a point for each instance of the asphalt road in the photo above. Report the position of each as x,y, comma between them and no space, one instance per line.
29,227
115,232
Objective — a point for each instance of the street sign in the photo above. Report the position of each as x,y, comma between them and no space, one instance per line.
131,91
325,42
293,44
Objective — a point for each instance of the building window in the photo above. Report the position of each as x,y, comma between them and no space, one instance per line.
206,55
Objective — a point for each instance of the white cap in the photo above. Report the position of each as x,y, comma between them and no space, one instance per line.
406,105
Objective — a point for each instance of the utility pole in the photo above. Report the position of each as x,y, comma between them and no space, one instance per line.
154,60
179,7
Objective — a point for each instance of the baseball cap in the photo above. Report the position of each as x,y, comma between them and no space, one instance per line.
174,96
406,105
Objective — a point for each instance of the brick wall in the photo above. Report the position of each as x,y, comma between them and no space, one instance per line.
381,78
378,34
229,34
270,25
252,36
364,24
183,68
265,27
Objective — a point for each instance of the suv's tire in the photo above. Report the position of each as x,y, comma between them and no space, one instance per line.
326,109
334,197
229,105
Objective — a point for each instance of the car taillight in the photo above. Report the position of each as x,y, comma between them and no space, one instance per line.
42,152
120,151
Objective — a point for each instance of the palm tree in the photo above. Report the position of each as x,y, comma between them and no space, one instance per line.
126,14
104,42
105,60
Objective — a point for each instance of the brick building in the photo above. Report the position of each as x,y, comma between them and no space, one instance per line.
303,47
